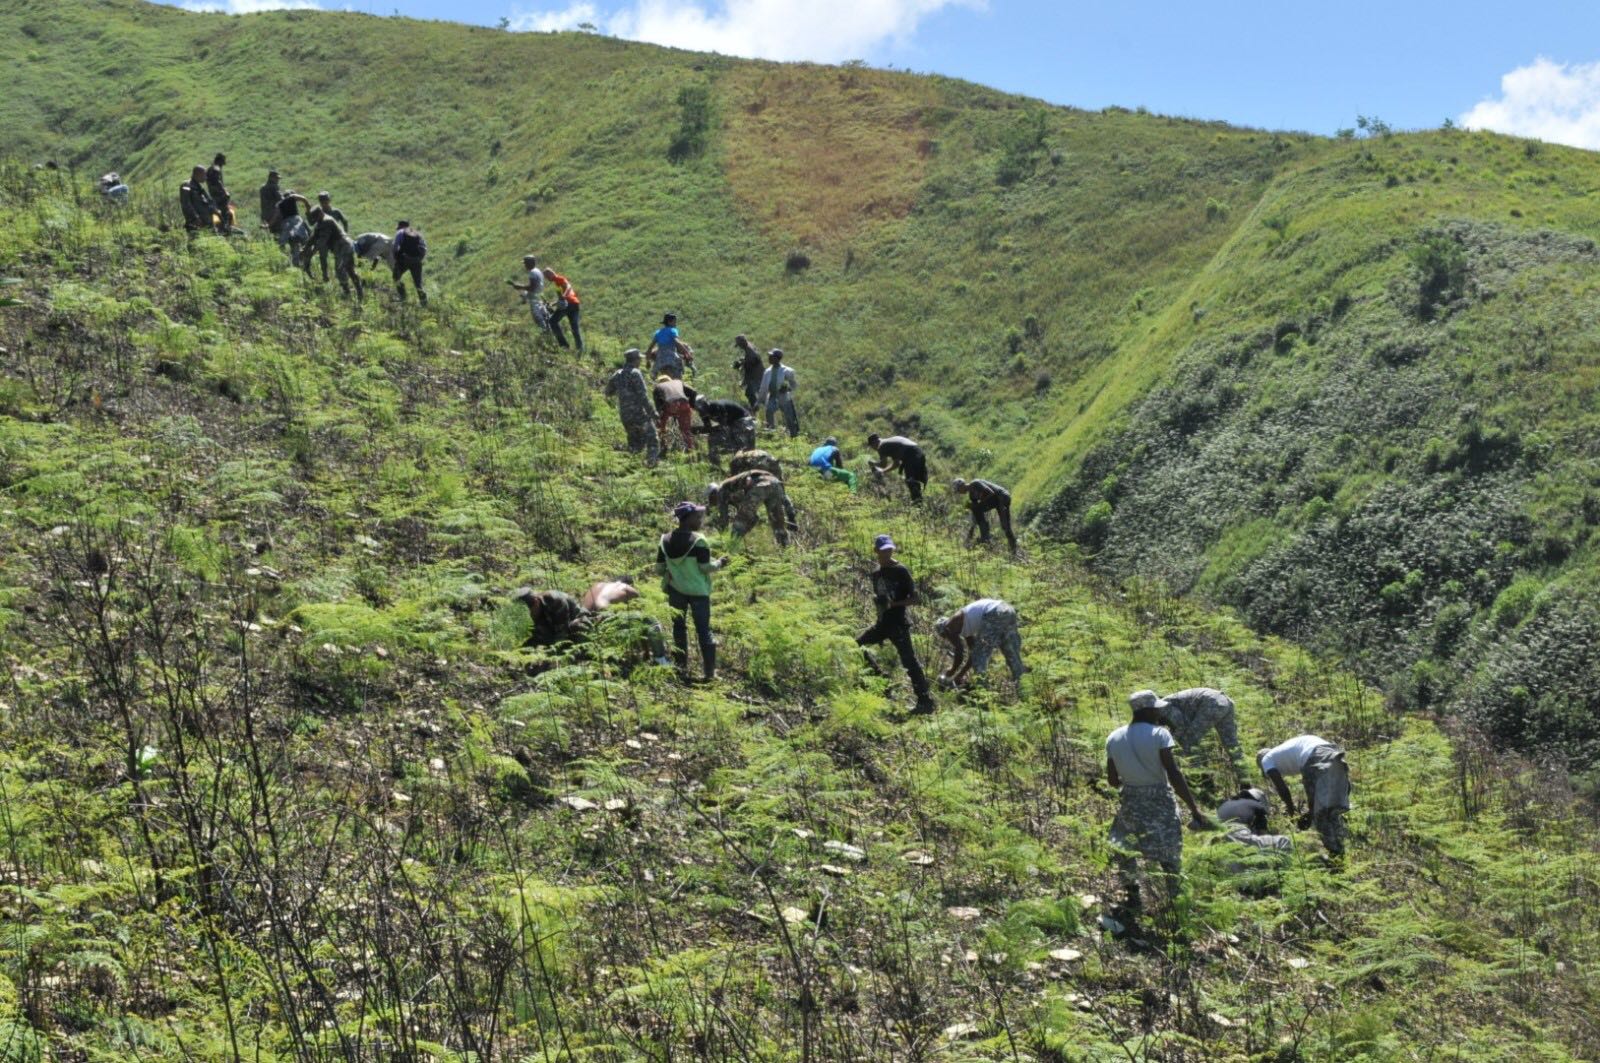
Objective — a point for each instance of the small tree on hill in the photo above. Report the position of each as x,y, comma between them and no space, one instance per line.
1022,146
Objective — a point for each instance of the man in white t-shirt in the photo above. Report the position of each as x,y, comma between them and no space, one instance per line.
1326,777
533,291
983,626
1139,764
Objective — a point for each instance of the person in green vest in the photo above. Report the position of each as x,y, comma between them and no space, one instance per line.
684,561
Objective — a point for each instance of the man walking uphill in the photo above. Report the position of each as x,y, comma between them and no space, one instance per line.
409,251
533,291
568,308
627,386
683,559
893,590
1140,767
898,452
984,496
777,392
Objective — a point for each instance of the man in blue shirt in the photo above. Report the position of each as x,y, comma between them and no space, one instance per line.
829,461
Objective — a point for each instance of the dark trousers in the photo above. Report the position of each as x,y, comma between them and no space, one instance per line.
683,607
1002,510
402,266
750,393
916,474
569,311
892,628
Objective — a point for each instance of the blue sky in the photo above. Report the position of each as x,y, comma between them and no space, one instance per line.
1530,68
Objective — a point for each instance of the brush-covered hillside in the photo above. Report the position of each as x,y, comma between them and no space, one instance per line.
1345,385
279,781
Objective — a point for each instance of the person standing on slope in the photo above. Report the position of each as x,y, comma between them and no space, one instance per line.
568,308
199,212
982,496
898,452
777,392
325,204
669,354
292,230
218,191
327,235
627,386
533,291
683,558
270,194
748,366
893,591
1140,767
409,250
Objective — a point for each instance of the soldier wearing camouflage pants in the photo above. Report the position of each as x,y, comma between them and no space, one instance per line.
1140,766
1191,714
1322,769
627,386
746,493
746,460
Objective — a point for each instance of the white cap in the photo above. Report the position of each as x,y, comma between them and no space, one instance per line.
1146,699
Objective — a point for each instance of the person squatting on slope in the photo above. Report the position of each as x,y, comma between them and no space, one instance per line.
667,352
893,591
727,426
1326,777
777,392
1140,766
748,366
533,292
828,460
199,211
1192,714
327,235
984,496
627,386
898,452
683,559
745,493
568,309
982,627
409,250
675,403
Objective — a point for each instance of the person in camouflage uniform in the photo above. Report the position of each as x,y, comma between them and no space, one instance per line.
1191,714
1140,766
746,493
753,458
627,386
328,235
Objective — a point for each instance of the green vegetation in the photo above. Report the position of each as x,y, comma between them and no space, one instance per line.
279,782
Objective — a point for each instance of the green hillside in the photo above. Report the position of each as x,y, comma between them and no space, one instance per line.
1205,353
279,782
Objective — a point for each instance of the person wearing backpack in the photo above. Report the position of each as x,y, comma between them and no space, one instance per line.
684,562
409,251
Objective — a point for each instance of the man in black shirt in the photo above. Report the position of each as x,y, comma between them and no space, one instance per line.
982,497
325,204
749,368
898,452
1244,817
893,590
219,192
728,426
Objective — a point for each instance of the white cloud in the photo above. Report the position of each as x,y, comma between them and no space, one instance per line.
822,30
247,7
1558,102
568,18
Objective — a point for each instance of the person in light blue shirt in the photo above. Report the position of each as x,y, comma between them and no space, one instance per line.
670,354
829,461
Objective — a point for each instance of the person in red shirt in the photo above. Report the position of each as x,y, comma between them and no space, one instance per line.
567,306
675,402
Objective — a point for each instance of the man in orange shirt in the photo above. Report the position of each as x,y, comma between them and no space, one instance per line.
566,307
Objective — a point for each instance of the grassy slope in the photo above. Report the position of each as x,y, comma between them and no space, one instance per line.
1351,470
301,792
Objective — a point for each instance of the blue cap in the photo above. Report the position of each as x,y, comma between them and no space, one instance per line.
883,542
686,509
